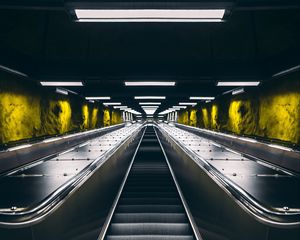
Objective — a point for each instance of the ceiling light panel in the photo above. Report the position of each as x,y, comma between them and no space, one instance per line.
149,15
202,98
150,97
150,84
237,84
97,98
62,84
111,103
149,103
188,103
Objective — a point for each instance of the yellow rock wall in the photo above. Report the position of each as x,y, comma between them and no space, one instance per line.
106,117
271,112
28,111
116,117
19,116
193,118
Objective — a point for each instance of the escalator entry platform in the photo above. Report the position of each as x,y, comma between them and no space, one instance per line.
149,206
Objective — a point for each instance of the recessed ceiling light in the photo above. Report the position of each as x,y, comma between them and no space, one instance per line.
236,84
150,83
149,15
149,103
111,103
149,97
62,84
202,98
188,103
97,98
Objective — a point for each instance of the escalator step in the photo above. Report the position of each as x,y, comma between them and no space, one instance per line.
147,200
149,237
148,208
150,218
149,228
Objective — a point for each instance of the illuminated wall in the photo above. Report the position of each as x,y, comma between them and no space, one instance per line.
28,110
271,111
193,118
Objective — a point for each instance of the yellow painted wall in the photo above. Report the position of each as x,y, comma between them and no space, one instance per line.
19,116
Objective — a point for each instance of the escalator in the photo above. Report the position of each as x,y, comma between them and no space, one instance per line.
150,206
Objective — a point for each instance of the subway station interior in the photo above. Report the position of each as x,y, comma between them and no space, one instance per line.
150,120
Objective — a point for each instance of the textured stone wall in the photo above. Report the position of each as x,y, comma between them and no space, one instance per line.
271,111
28,111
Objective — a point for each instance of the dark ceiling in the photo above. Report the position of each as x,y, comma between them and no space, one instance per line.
258,39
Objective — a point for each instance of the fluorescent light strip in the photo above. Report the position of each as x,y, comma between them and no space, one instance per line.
152,20
188,103
179,107
61,84
238,91
290,70
97,98
121,107
236,84
149,103
61,91
149,84
7,69
202,98
149,97
111,103
149,14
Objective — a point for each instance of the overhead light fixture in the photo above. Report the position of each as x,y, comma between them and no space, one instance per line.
290,70
13,71
237,84
149,15
149,103
188,103
62,84
149,84
97,98
111,103
149,97
61,91
202,98
238,91
120,107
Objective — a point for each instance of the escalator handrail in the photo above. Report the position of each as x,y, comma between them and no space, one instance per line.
27,217
244,199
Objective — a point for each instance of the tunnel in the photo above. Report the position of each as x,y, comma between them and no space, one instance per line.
150,120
